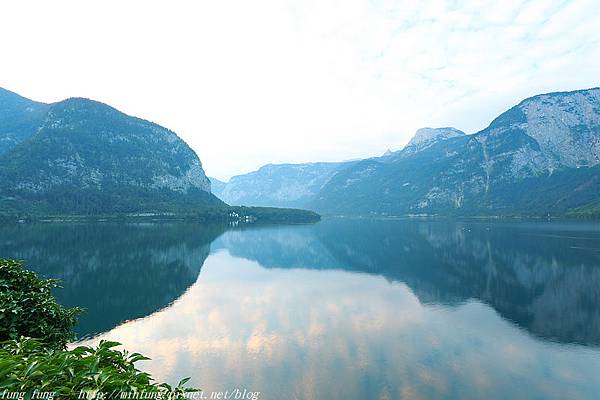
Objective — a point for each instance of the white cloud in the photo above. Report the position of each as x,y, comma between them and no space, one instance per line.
247,83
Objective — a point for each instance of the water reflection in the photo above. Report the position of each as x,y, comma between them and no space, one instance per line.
303,334
354,309
117,272
543,276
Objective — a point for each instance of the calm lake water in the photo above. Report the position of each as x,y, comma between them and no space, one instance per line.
346,308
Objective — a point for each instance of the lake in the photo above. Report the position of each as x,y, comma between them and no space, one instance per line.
345,308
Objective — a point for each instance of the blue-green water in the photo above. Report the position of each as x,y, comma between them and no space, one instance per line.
346,308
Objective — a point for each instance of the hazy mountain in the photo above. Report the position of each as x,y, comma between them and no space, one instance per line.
82,156
217,186
541,156
280,185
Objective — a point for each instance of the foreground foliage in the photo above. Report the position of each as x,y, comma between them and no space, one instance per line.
34,331
28,365
28,308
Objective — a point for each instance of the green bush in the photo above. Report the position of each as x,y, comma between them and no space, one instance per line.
34,332
28,308
83,372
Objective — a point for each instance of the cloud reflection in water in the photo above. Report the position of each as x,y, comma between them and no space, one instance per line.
296,333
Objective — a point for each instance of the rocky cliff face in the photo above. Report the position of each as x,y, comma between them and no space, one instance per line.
564,126
282,185
87,157
427,137
539,157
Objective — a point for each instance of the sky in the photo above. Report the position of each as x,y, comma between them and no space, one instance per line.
247,83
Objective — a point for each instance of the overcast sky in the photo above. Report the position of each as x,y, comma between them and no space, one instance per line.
247,83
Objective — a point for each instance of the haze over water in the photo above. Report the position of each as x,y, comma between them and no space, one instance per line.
346,308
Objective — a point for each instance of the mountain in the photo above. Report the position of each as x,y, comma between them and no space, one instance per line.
280,185
427,137
80,156
541,156
19,119
217,186
423,139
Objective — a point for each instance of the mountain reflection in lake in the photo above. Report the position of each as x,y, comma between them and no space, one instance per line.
346,308
116,271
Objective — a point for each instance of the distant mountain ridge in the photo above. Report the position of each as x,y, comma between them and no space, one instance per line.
280,185
297,185
540,157
216,186
83,156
